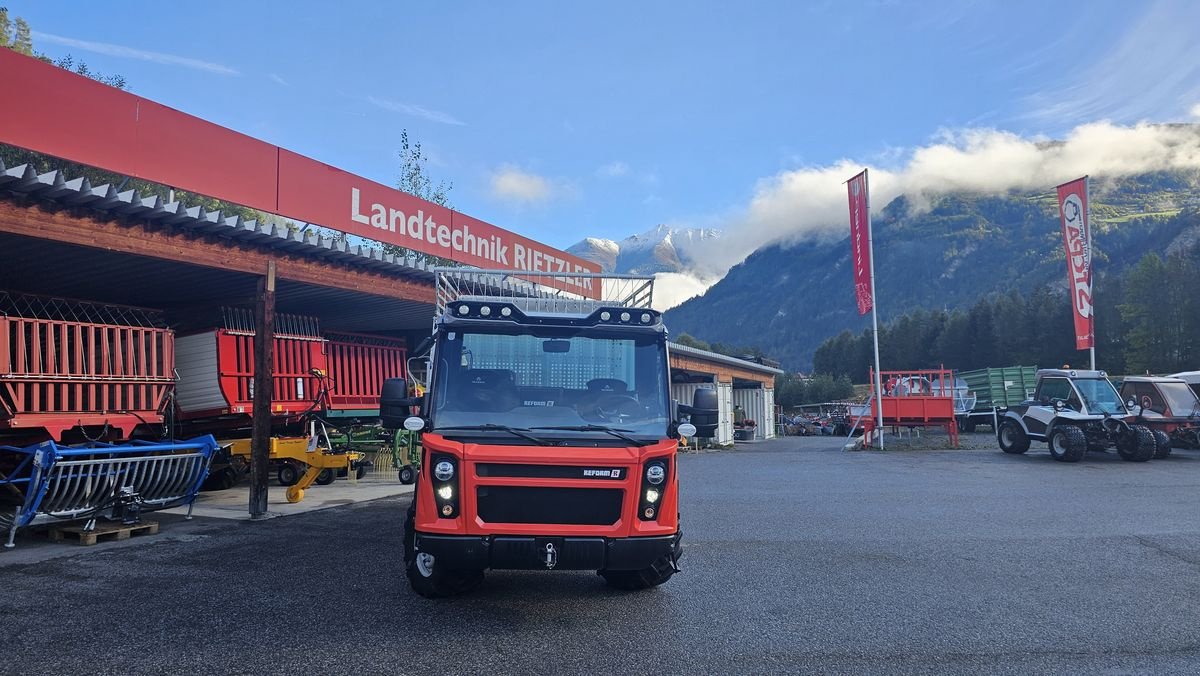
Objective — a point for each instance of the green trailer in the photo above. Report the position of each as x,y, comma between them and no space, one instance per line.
995,388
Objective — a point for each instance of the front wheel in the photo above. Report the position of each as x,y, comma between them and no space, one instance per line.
326,477
1068,443
1012,438
407,475
632,580
426,575
1162,445
1136,444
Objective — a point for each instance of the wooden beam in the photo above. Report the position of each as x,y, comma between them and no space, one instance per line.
83,228
264,372
725,373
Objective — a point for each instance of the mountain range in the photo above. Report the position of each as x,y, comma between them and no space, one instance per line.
661,249
943,253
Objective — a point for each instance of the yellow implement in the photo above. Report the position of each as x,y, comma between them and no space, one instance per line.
298,449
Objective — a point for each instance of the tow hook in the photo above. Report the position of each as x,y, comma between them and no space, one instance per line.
551,556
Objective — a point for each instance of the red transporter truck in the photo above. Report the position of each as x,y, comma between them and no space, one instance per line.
549,440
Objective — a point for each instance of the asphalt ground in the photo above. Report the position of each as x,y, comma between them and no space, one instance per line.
799,558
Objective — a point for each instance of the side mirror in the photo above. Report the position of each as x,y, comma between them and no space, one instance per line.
395,406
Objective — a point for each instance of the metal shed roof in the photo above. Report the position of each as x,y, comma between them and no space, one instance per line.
57,188
723,359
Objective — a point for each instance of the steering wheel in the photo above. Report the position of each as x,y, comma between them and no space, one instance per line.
618,407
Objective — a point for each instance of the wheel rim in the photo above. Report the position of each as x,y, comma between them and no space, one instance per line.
1006,435
425,564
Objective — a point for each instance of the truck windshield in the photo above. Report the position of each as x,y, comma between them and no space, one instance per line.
552,377
1099,396
1180,398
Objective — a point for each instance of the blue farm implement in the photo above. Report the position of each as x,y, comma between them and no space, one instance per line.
116,481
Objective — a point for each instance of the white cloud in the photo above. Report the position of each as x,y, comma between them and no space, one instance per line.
512,184
613,170
123,52
278,80
672,288
810,202
1152,72
1196,111
415,111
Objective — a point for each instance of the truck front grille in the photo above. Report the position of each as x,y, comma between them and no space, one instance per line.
527,504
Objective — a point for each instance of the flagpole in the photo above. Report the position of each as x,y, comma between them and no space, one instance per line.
1087,192
875,312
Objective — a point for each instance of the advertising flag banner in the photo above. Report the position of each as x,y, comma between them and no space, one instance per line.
860,243
1077,241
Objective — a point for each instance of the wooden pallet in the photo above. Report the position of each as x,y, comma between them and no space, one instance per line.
80,536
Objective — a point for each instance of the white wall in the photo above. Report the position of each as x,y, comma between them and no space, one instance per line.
769,405
683,393
753,401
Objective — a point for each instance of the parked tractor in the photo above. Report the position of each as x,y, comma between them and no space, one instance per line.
1074,412
1168,407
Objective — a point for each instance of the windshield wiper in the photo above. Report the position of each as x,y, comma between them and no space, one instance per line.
615,431
517,431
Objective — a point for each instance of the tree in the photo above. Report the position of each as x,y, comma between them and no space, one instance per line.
689,341
414,180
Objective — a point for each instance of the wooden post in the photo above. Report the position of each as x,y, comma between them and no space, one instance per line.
264,363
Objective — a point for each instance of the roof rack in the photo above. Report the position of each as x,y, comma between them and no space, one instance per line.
547,292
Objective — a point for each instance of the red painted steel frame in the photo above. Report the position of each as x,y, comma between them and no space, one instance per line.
58,375
358,365
632,459
923,398
295,386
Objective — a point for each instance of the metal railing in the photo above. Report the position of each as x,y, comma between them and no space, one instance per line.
83,482
578,292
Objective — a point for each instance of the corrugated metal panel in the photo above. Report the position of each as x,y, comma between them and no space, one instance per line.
199,386
753,402
725,415
769,405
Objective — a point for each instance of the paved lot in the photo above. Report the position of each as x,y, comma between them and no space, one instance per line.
800,557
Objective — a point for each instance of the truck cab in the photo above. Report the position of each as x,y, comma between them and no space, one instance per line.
549,442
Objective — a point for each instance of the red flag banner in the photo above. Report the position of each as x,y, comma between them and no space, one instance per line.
860,243
1077,241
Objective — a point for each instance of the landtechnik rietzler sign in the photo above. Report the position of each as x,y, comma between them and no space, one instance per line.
69,116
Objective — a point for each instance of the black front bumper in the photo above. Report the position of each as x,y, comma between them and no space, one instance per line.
527,552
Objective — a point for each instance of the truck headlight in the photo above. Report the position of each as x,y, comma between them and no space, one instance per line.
443,471
652,495
655,474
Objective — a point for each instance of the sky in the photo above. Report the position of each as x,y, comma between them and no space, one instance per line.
562,120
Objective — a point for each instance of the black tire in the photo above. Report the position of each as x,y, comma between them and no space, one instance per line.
1162,445
966,425
428,578
407,475
220,480
326,477
360,472
1012,438
1068,443
288,474
633,580
1136,445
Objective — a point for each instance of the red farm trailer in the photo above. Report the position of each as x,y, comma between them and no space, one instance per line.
358,365
216,367
83,371
915,399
